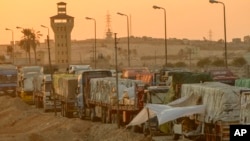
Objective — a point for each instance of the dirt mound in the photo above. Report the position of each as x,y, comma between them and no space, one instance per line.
22,122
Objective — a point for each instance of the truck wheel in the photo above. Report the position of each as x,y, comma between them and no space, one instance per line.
36,102
108,116
92,114
113,118
68,114
44,107
39,104
103,115
62,110
80,113
45,110
145,130
17,94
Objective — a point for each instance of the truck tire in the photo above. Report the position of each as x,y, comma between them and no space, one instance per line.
92,114
108,116
39,102
80,113
44,107
68,114
36,101
45,110
62,110
103,115
113,118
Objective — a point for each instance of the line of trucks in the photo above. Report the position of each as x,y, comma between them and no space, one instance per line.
95,94
225,105
87,94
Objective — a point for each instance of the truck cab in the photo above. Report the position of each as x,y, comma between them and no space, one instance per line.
73,69
8,78
223,75
25,85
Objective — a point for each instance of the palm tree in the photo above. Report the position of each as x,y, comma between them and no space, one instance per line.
29,40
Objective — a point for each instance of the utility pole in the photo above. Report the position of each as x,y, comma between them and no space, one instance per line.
117,88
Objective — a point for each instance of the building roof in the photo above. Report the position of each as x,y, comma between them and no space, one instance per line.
61,3
61,16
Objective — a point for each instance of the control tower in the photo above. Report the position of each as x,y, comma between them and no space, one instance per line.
62,25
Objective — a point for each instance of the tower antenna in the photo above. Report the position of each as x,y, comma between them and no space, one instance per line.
108,31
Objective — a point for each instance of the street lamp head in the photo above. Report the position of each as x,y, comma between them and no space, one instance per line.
88,18
7,29
44,26
120,14
156,7
213,1
18,27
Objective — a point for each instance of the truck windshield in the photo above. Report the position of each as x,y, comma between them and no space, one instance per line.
95,74
8,76
157,94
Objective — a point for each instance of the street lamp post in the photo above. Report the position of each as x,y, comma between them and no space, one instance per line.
128,35
117,87
165,28
48,46
13,44
88,18
51,71
225,33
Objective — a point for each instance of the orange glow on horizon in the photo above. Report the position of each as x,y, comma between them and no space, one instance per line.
191,19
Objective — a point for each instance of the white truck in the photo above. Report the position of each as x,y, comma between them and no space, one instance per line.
75,69
25,85
42,94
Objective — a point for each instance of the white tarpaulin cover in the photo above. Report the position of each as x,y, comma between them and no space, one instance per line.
104,89
222,101
166,113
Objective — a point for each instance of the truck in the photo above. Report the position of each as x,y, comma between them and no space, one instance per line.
97,97
42,93
65,93
245,100
74,69
222,107
25,84
131,72
174,79
223,75
154,95
8,79
165,73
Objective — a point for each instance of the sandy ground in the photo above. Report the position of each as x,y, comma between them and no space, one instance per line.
22,122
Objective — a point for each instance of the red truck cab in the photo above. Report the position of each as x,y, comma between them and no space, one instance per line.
223,75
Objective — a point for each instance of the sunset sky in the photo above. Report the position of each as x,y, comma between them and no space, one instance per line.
191,19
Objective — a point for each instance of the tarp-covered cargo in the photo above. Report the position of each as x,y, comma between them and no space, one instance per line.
26,69
189,77
177,78
69,85
104,90
222,101
243,82
58,83
178,108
